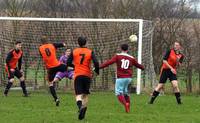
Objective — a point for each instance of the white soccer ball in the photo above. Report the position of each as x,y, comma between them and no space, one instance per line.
133,38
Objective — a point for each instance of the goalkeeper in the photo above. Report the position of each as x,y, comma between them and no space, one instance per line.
70,72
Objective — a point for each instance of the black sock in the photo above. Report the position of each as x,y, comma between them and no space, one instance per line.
23,86
79,104
154,95
53,92
8,86
178,97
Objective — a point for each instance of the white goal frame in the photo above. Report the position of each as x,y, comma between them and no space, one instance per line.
140,21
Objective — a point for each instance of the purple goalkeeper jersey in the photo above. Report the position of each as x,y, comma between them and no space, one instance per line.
63,59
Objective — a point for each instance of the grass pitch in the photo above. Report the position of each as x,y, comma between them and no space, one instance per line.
103,108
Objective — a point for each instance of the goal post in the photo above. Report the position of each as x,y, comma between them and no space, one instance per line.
104,35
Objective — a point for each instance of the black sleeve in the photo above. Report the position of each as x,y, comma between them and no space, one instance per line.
70,60
166,56
95,62
8,58
181,59
20,63
58,45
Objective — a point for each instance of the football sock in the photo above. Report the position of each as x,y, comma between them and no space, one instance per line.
79,104
53,92
178,97
23,86
153,97
121,99
8,86
127,98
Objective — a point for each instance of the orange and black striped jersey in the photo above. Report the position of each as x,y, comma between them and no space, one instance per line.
82,58
48,53
14,57
172,58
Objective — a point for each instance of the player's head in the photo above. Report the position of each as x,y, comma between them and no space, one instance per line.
177,45
124,47
82,41
44,39
68,51
18,45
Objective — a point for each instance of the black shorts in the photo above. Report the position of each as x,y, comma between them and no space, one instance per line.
16,73
52,71
165,74
82,85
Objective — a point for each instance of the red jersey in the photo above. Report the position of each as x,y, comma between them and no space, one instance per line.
124,63
172,58
13,58
48,52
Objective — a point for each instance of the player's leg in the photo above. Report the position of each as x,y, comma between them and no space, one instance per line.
163,78
10,82
176,89
19,75
78,85
119,89
51,75
86,91
126,94
58,77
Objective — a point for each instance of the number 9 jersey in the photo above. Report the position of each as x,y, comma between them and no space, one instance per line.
48,52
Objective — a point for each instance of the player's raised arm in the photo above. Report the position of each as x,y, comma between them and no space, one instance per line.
109,62
59,45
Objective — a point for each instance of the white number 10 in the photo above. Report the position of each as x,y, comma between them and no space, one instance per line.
125,64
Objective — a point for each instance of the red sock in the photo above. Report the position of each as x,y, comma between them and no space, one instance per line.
127,98
121,99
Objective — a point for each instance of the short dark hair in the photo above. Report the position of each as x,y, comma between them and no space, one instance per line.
44,39
124,47
82,41
178,42
18,42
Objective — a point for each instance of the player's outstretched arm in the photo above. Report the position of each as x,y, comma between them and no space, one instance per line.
109,62
136,64
59,45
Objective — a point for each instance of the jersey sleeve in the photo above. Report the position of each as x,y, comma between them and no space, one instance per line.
109,62
20,62
181,59
70,60
95,62
8,58
58,45
61,59
136,64
166,56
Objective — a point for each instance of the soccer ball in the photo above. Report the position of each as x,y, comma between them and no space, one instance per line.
133,38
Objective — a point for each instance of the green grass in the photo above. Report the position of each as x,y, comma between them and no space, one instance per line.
103,108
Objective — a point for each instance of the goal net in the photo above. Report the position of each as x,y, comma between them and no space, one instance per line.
104,38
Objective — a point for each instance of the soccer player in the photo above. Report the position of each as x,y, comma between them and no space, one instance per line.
172,59
48,53
124,63
68,74
14,58
82,57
